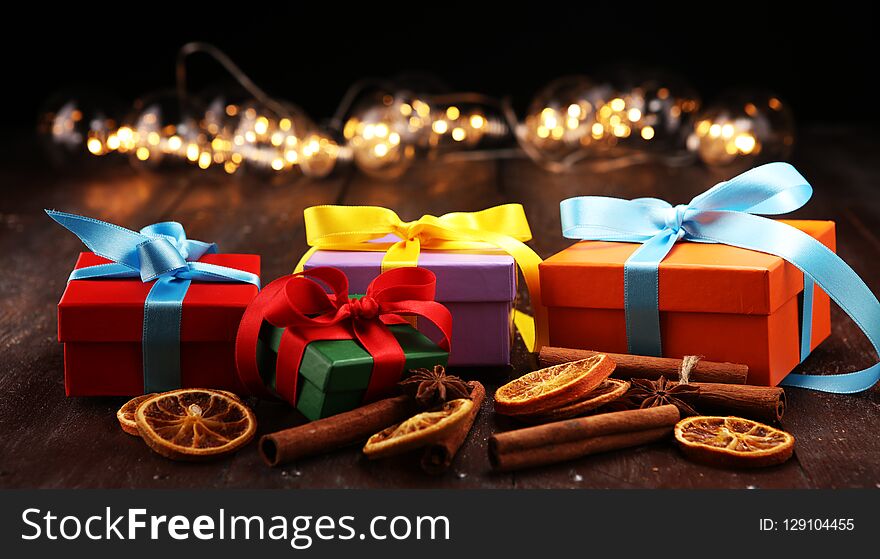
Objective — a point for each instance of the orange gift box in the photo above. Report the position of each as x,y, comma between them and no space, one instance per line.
721,302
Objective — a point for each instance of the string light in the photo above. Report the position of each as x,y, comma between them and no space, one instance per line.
742,127
569,120
382,135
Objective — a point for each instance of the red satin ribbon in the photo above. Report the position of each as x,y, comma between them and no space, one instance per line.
300,305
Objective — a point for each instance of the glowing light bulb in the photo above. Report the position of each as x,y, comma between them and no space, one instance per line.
742,126
318,155
94,146
261,125
440,126
647,132
703,127
458,134
125,134
477,121
422,108
745,143
452,113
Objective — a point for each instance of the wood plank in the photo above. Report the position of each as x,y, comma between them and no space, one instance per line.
836,442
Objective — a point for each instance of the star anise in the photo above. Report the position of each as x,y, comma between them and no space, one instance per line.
431,388
646,393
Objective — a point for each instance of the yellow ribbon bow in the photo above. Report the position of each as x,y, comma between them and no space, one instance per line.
504,227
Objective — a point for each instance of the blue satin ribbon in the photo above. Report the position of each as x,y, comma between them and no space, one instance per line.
725,214
160,253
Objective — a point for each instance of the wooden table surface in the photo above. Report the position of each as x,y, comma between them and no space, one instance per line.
48,440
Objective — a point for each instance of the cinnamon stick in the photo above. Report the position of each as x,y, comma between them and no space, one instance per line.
573,438
640,366
762,403
333,432
437,457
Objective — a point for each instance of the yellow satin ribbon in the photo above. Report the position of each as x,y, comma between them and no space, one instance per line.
504,227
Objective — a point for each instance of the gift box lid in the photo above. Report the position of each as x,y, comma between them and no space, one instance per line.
694,277
112,310
462,276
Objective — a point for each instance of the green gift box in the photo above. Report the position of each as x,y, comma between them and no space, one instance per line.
334,374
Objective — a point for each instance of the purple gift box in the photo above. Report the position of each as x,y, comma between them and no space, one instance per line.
477,288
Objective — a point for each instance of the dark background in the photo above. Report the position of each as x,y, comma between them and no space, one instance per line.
820,60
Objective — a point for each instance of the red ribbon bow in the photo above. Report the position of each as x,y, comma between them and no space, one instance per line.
300,304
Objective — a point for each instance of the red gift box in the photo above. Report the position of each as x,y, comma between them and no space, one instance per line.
100,323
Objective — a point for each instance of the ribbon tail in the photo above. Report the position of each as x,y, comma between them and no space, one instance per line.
247,339
820,265
534,330
305,258
403,254
103,271
525,324
104,239
807,317
163,311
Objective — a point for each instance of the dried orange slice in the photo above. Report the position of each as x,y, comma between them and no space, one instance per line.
611,389
194,423
419,430
125,414
733,442
553,387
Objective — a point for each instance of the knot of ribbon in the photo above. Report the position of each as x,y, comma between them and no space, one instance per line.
728,213
363,309
675,218
361,228
315,305
159,253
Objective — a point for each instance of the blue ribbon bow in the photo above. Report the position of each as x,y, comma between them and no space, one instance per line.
160,253
726,214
